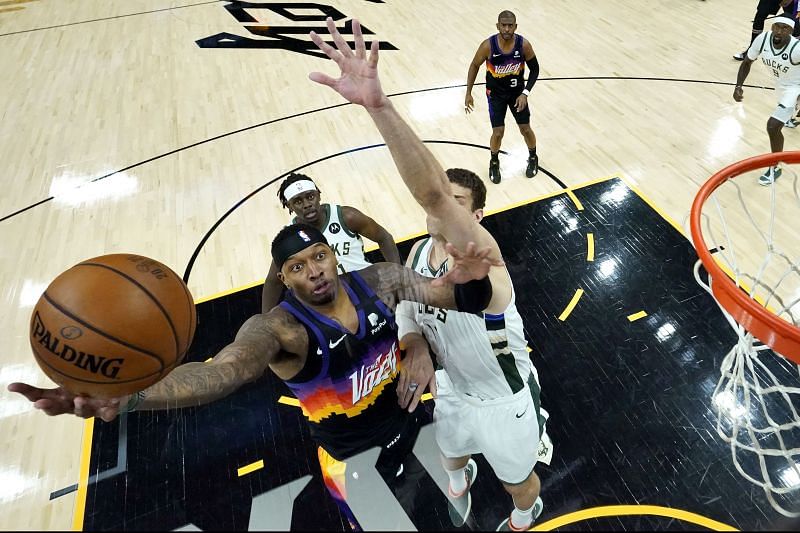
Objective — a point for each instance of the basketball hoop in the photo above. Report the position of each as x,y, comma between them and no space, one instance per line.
754,276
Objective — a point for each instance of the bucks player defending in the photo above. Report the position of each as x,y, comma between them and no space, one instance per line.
488,391
450,218
342,226
780,52
505,55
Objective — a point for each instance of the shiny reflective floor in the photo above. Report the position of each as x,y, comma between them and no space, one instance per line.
161,127
629,406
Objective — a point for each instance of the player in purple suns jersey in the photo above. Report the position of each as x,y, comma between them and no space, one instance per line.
506,55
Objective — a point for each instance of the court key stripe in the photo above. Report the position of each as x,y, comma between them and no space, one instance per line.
590,246
252,467
571,305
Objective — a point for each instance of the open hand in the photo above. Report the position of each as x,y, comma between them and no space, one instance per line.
469,265
60,401
358,83
521,103
416,373
469,104
738,94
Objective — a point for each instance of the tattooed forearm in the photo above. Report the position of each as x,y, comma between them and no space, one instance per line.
393,283
240,362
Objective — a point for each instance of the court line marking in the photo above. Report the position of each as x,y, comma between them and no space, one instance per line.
83,475
637,316
571,305
508,207
575,200
590,246
632,510
106,18
12,2
252,467
10,9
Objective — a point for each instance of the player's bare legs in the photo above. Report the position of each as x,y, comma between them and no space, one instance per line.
527,505
494,146
462,472
530,142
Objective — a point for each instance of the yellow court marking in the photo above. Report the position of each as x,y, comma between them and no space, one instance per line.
654,207
571,305
590,246
286,400
83,475
12,2
9,9
637,316
208,360
252,467
575,200
632,510
229,291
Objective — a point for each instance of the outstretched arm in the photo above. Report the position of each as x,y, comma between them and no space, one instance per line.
420,170
366,226
245,359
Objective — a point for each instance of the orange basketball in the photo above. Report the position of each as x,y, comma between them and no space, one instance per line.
112,325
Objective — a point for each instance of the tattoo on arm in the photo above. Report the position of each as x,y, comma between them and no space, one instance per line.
244,360
392,283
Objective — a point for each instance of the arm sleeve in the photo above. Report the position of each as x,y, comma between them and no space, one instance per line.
533,64
474,296
406,319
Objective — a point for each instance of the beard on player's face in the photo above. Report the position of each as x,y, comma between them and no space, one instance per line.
312,275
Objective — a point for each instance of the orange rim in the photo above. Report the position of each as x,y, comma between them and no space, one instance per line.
778,334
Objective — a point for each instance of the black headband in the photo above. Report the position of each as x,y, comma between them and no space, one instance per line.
293,239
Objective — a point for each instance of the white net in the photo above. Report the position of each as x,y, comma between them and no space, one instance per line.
751,230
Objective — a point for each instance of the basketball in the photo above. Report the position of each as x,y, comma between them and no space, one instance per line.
112,325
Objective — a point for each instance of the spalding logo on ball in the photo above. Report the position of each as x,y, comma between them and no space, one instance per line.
112,325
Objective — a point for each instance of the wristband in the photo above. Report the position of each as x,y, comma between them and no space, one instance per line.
133,402
526,92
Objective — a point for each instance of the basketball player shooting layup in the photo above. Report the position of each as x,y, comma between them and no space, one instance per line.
342,226
318,339
780,53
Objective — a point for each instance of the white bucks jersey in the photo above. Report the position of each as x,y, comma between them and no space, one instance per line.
484,355
346,244
784,63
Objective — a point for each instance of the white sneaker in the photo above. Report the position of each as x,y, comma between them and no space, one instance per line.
791,123
769,177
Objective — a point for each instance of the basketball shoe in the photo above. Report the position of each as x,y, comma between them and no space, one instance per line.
739,56
533,166
769,177
792,123
494,171
459,505
506,524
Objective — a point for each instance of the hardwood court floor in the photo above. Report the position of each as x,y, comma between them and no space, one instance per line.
121,133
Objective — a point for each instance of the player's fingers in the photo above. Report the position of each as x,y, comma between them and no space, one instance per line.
322,79
327,49
361,51
415,399
30,392
341,44
373,53
432,385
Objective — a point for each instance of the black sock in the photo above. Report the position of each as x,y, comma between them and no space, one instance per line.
494,156
532,152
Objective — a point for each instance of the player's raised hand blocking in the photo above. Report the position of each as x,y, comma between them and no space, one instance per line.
358,82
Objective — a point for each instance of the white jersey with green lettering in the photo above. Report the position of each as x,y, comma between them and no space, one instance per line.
783,62
345,243
484,355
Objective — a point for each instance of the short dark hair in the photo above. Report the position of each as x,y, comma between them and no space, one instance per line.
292,178
469,180
505,14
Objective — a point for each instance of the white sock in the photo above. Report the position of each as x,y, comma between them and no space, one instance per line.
458,481
522,519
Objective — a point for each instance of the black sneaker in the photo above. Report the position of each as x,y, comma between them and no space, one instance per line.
740,56
533,166
494,171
